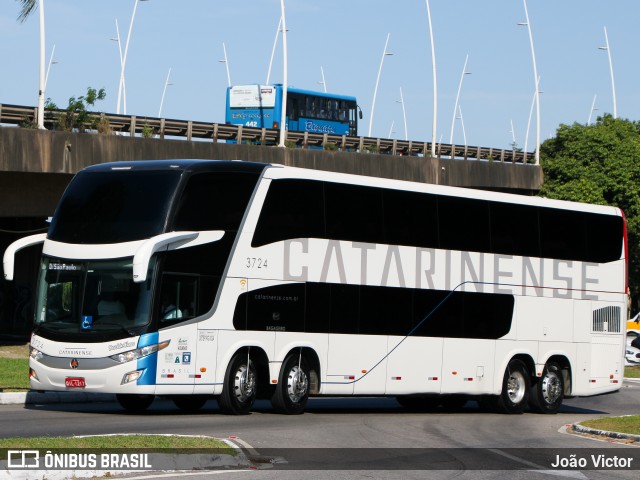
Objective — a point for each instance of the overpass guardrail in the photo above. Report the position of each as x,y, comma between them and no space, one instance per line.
136,125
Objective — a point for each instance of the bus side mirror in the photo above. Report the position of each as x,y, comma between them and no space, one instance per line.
10,253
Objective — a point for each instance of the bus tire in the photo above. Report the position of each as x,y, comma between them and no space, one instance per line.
292,390
516,384
239,390
190,403
548,392
134,403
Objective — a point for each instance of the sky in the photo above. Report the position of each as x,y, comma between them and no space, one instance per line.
345,39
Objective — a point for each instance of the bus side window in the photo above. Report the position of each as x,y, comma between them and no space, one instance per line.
178,300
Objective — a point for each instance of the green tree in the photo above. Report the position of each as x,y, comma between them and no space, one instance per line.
26,9
76,117
599,164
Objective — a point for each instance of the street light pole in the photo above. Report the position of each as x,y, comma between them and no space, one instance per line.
593,107
613,83
164,91
535,80
435,87
404,115
375,90
455,106
124,60
51,62
283,116
273,50
41,81
226,62
324,84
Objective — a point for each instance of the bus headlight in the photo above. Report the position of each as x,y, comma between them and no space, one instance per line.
35,354
139,352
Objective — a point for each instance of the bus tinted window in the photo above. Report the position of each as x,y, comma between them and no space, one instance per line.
464,224
563,234
410,219
354,213
514,230
214,201
97,208
604,238
292,209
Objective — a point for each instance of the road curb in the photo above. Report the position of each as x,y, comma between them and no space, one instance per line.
35,398
576,427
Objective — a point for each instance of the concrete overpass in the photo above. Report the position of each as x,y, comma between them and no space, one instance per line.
36,166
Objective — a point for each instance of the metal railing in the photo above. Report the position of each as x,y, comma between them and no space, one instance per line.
217,132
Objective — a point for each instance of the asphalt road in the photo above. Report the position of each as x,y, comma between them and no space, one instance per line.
377,432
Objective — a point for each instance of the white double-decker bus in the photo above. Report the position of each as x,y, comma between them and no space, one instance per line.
235,280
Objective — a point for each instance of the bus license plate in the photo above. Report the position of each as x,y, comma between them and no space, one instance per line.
74,382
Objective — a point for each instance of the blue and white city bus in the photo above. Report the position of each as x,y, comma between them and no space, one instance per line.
314,112
234,280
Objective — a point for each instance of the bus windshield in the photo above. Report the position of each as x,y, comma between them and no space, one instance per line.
91,299
97,206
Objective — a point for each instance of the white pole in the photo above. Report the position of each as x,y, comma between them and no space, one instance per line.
121,85
404,116
613,83
124,60
324,84
41,81
375,90
513,135
393,122
526,137
46,78
536,81
226,62
464,132
593,107
435,88
455,106
164,91
283,116
273,50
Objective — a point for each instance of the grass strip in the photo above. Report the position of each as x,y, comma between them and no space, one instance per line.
627,424
141,442
14,374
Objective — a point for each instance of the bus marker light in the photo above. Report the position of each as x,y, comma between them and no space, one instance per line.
274,381
349,377
592,381
468,379
454,373
203,369
364,371
610,376
396,378
170,375
433,378
33,374
614,381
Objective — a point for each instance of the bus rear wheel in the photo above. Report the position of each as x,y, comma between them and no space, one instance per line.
134,403
548,392
516,384
292,391
239,390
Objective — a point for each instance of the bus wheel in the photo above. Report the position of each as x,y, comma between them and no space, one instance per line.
515,388
548,392
292,391
239,390
190,403
134,403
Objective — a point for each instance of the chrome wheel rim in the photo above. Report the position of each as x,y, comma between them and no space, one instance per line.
551,388
297,384
516,386
244,383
